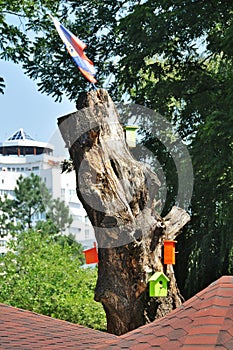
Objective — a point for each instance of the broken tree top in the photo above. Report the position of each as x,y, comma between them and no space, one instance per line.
117,190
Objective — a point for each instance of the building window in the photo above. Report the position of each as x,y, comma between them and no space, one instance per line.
87,221
77,217
7,192
75,230
2,242
75,205
35,168
87,233
72,192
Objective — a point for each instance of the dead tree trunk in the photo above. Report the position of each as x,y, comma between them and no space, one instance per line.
119,195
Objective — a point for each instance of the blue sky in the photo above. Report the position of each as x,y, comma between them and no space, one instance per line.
22,106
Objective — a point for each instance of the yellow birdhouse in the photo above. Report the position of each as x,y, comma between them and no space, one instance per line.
130,135
158,285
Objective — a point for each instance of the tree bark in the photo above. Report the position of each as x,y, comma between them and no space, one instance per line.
120,196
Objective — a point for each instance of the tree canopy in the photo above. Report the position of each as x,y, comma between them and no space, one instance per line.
31,204
172,56
122,38
42,269
41,275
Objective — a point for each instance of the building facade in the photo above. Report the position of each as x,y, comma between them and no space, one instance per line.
22,155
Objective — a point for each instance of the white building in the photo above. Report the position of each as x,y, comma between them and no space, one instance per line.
21,155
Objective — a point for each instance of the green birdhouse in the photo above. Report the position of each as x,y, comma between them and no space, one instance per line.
130,135
158,285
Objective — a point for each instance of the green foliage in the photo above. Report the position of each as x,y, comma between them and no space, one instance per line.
8,224
31,198
135,34
210,234
180,64
75,247
58,213
41,275
17,19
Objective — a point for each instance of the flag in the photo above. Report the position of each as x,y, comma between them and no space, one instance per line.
75,48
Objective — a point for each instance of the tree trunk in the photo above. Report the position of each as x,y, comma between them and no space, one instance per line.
119,195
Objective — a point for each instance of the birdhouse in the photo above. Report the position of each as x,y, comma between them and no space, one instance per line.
91,255
130,135
158,285
169,252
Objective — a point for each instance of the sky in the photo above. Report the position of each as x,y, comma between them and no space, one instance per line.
22,106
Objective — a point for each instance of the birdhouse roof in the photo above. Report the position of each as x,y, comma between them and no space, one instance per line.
131,127
158,275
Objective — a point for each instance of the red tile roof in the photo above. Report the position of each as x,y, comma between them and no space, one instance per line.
20,329
203,322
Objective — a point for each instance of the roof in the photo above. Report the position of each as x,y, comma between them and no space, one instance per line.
20,135
21,143
21,329
157,275
203,322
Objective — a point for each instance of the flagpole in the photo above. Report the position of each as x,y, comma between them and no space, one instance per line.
94,87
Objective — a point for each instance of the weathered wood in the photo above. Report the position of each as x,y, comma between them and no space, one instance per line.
120,196
174,221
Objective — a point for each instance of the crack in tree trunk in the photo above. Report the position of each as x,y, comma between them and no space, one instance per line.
120,196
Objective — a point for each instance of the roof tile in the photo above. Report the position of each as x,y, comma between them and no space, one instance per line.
209,320
139,346
176,334
224,337
171,344
217,301
199,347
215,311
213,329
201,339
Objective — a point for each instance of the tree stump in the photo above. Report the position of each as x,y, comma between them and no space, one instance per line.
120,195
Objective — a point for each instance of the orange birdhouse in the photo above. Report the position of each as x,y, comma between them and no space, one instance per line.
91,255
169,252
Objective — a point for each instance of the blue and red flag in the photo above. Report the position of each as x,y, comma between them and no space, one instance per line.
76,48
